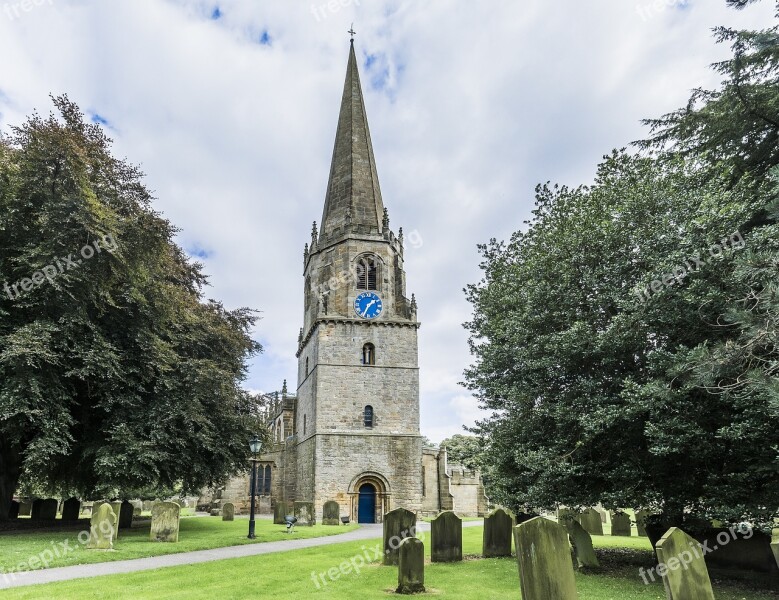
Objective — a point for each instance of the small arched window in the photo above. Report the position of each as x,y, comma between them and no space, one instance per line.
306,366
266,486
304,424
369,354
368,416
366,273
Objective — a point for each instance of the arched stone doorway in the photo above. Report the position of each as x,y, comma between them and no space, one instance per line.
370,498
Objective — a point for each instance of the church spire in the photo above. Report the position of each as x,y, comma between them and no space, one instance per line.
353,200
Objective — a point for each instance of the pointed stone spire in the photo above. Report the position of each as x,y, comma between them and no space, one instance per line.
353,200
284,390
314,238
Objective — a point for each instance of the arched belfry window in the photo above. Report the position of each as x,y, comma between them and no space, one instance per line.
369,354
368,416
367,273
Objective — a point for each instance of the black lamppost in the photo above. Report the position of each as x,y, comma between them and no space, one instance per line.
255,445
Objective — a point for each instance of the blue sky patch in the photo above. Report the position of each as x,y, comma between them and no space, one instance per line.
99,119
264,38
216,14
197,251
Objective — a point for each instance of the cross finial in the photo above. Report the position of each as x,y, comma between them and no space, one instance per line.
352,32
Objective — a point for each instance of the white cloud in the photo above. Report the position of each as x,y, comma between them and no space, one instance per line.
474,103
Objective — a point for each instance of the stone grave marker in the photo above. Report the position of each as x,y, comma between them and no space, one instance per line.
544,560
446,537
71,509
126,515
411,566
228,511
304,511
117,508
399,524
641,516
620,524
13,512
165,518
775,545
102,527
590,519
496,539
25,508
331,513
582,543
35,510
281,510
683,567
48,509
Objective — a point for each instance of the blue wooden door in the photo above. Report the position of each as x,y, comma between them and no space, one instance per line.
366,510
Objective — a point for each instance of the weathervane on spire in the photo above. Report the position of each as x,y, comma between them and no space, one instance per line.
352,32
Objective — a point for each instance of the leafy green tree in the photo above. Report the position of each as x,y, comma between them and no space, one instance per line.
463,450
116,375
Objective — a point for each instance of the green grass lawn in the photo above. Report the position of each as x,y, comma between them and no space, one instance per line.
201,533
292,575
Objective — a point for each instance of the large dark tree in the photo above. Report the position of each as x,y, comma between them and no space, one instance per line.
115,374
665,400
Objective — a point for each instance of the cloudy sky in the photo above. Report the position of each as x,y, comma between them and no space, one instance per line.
230,108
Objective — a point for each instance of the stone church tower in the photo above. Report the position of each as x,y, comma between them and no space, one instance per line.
357,413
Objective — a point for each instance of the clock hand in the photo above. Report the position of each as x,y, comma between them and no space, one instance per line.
371,303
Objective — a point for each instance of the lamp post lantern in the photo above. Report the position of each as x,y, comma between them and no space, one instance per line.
255,445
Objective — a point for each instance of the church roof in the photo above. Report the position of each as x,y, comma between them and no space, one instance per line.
353,201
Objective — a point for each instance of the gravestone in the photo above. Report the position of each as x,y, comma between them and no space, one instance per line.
165,518
71,509
13,512
125,515
641,516
544,560
411,566
25,508
683,567
446,537
280,510
590,519
48,509
582,543
496,540
775,545
399,524
228,511
102,527
304,511
620,524
35,511
331,513
117,508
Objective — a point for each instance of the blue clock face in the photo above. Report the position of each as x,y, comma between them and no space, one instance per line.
368,305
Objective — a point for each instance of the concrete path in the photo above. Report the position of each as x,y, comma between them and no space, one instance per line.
365,532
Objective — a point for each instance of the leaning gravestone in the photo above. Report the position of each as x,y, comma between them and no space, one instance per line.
497,534
71,509
591,521
48,509
620,524
331,513
683,567
582,543
411,566
641,516
228,511
13,512
117,508
126,515
544,559
304,512
399,524
102,527
165,518
446,538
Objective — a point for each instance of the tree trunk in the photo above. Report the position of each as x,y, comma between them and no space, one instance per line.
9,478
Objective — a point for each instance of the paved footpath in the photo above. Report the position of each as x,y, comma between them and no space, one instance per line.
365,532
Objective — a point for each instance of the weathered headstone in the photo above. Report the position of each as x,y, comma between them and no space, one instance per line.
331,513
304,512
102,527
25,508
228,511
48,509
683,567
544,560
582,543
281,510
117,508
411,566
446,537
35,511
13,511
165,518
125,515
591,521
641,517
775,545
399,524
71,509
497,534
620,524
521,517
